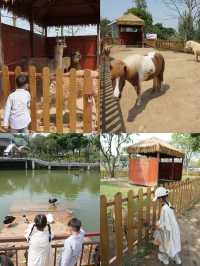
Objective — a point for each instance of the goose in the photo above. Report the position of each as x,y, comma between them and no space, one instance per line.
53,201
8,220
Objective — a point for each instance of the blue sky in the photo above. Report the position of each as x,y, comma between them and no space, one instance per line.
113,9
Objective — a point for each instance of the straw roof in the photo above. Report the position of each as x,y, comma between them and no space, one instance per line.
55,12
131,20
154,145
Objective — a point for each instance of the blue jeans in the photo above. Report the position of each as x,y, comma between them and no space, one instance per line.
21,130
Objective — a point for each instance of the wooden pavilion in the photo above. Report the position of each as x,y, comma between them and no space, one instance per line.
153,160
129,29
49,13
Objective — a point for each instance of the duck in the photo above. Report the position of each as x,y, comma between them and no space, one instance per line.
8,220
53,201
26,220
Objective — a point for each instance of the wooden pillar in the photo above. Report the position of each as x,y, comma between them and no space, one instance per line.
46,38
1,45
173,168
158,158
31,35
142,36
98,45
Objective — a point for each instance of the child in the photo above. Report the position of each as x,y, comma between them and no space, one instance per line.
73,244
16,113
39,239
167,234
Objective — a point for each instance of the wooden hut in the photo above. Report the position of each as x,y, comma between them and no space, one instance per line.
153,160
129,29
49,13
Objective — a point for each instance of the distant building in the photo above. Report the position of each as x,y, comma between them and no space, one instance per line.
7,139
129,29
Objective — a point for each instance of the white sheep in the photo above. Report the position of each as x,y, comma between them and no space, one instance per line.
195,46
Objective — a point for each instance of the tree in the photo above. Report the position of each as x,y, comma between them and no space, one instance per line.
105,28
110,146
143,14
140,4
188,144
188,12
163,32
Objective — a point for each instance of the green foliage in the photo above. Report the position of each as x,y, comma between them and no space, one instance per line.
186,27
143,14
65,146
141,4
163,32
105,28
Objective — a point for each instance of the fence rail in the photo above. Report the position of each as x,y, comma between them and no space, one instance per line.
17,251
67,115
128,222
165,44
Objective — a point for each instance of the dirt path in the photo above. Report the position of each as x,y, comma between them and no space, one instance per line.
174,109
190,234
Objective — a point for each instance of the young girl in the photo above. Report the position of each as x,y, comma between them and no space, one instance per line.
16,115
39,239
167,234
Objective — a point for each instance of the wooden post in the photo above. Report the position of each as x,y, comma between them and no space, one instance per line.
140,216
31,34
173,168
87,105
32,87
1,45
46,84
158,158
118,228
148,207
59,100
130,235
5,82
104,233
72,100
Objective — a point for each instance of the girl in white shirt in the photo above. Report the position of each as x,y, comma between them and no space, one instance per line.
167,234
16,114
39,239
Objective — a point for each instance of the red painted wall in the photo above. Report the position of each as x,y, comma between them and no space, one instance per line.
143,171
16,43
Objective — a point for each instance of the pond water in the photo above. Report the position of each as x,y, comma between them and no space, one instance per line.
77,191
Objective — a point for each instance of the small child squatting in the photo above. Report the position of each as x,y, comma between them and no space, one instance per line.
16,114
167,235
73,244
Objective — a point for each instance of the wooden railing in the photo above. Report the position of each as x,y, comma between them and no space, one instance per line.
67,116
129,222
7,245
165,44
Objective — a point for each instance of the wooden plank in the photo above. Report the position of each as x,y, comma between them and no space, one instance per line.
148,208
140,215
5,82
104,234
130,232
72,100
118,228
154,217
32,87
46,97
59,100
87,104
18,71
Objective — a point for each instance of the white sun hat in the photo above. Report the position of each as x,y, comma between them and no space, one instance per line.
50,218
160,192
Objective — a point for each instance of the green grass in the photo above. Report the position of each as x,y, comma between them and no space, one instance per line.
110,189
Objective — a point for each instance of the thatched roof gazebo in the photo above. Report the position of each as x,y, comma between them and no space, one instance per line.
49,13
152,160
129,29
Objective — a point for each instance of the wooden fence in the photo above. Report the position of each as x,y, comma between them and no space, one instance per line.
70,118
127,223
165,44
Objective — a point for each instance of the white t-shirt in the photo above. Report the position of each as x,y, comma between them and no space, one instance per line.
16,110
72,249
40,251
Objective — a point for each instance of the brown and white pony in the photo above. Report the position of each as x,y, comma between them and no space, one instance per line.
135,69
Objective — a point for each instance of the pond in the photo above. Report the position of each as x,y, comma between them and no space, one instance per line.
77,191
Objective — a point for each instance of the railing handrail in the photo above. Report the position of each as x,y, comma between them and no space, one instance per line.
56,237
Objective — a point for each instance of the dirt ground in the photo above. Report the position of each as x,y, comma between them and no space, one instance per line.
190,234
176,108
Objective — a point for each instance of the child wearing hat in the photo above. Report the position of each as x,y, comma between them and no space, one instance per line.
167,234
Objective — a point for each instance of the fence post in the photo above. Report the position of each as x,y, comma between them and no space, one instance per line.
5,81
130,234
140,215
148,207
118,228
59,100
154,212
104,234
32,86
87,106
72,100
46,85
18,71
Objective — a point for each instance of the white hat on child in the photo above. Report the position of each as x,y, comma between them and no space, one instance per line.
160,192
50,218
